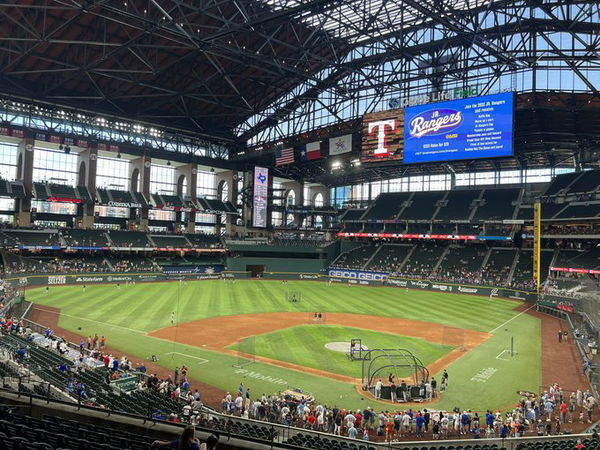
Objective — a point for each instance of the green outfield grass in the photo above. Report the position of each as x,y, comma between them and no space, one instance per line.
305,345
125,315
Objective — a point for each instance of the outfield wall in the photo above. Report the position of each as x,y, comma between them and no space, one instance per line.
354,278
312,265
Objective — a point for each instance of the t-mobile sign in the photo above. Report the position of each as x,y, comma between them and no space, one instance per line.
383,136
261,196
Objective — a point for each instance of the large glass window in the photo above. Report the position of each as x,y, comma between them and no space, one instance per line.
112,173
8,161
55,166
206,184
162,179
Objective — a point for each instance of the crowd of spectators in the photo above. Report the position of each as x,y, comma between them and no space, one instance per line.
550,413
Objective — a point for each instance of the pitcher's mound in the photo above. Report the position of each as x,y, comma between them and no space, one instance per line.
342,347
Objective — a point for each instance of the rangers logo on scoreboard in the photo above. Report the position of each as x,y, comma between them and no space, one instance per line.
382,137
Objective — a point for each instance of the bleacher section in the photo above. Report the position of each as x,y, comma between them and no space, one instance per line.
35,238
390,257
458,205
132,263
135,239
561,183
497,269
422,205
84,238
355,258
202,240
461,264
497,204
387,206
523,274
423,260
166,241
578,259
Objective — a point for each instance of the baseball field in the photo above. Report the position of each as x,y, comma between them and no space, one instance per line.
247,331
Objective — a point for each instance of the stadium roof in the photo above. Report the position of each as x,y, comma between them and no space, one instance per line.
201,66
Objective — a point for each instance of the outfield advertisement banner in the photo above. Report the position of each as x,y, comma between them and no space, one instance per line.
194,269
357,274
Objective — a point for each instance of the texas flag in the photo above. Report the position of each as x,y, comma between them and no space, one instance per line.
310,151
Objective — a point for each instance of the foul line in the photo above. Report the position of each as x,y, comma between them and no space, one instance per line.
511,319
502,353
204,361
89,320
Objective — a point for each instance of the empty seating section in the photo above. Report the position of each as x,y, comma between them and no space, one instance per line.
169,201
422,206
549,210
18,190
139,198
35,238
120,196
525,212
352,214
461,264
423,260
389,258
497,269
588,181
84,238
579,259
62,190
103,197
418,228
579,211
355,258
352,227
458,205
202,240
4,188
561,182
170,241
40,191
135,239
568,444
497,204
387,206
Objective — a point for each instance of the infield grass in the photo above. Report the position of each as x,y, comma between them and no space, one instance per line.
483,378
305,345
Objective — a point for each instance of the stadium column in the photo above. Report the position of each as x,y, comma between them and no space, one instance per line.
139,174
297,187
228,179
25,174
189,173
88,162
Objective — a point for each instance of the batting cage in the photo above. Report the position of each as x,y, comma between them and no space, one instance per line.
400,362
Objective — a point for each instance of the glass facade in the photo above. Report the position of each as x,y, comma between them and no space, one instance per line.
54,166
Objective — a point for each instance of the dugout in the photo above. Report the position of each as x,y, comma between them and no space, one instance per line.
255,270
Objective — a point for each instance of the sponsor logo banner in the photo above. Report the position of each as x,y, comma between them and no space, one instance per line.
57,279
467,290
309,276
399,283
193,269
358,274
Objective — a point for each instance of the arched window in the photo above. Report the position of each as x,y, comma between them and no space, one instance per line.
318,200
290,199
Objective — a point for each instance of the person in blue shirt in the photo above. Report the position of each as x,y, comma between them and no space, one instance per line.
504,431
420,420
352,432
115,364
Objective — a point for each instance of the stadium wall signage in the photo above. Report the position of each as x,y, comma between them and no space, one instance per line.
357,274
432,97
125,204
458,237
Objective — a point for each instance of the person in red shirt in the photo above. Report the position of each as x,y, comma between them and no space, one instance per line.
358,417
106,360
563,412
311,421
389,430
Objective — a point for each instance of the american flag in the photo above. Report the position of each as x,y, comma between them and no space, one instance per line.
284,156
